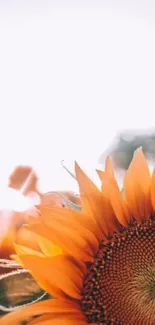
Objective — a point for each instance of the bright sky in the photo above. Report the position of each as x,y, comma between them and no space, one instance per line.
72,74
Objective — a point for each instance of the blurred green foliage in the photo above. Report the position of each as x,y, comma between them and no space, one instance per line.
125,144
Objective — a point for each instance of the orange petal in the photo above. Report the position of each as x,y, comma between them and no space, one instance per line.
69,219
64,313
109,168
15,318
47,307
73,319
91,200
137,183
100,173
111,190
48,213
42,320
67,238
109,171
153,189
56,275
119,213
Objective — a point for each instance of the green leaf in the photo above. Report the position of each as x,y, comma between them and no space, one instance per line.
67,170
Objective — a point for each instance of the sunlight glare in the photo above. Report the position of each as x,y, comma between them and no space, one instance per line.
13,200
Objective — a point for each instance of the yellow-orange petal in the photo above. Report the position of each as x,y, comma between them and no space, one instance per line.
91,200
17,259
49,248
68,239
24,250
48,274
26,238
82,236
137,184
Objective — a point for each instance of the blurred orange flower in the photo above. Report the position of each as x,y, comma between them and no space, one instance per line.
25,180
59,198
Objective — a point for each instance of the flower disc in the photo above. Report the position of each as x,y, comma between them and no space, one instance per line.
120,285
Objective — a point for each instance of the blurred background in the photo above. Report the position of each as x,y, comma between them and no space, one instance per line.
75,76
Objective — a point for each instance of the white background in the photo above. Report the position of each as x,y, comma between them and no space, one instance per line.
72,74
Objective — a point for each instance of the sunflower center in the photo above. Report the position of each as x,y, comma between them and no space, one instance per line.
119,287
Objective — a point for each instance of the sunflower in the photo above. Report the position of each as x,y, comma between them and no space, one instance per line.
98,265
